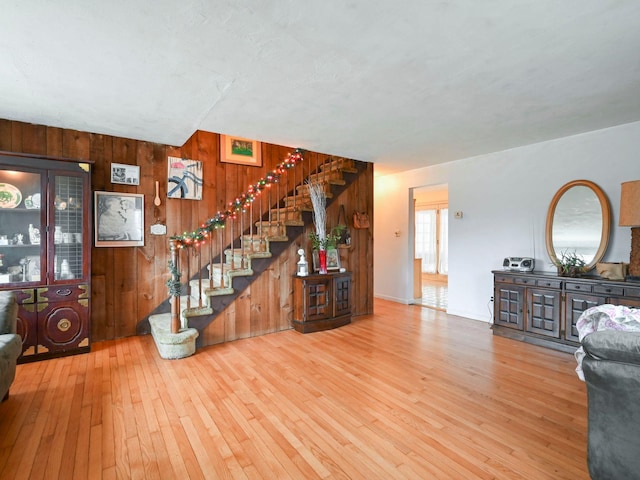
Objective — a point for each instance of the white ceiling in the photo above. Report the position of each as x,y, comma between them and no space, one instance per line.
403,84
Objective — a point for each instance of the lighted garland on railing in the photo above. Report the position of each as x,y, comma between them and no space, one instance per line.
240,204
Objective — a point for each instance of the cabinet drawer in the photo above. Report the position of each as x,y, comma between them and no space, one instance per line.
632,292
525,281
549,283
578,287
608,289
62,292
503,279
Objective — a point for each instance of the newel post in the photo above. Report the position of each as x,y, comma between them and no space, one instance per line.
174,293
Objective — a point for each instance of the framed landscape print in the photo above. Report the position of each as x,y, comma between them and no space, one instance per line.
241,151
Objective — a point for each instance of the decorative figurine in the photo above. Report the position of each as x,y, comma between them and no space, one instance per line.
34,235
24,263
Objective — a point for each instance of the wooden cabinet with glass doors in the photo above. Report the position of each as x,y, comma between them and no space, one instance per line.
45,248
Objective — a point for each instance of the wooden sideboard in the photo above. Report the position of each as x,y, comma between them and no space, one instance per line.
543,308
321,302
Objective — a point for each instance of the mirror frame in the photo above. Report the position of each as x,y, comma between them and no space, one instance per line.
606,220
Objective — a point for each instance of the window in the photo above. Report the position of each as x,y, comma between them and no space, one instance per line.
431,242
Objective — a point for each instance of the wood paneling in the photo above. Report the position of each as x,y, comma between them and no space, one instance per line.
128,283
406,393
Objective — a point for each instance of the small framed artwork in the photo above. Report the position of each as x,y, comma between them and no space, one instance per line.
333,260
126,174
184,179
119,219
240,151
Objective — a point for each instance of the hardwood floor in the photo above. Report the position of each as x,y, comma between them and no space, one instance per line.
408,392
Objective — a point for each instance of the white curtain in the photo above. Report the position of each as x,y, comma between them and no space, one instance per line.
426,239
443,263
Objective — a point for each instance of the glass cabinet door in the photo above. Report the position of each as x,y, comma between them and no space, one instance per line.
68,227
22,236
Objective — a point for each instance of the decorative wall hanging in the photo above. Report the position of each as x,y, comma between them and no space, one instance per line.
361,220
184,179
241,151
119,219
127,174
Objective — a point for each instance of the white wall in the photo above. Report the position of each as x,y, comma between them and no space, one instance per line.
504,197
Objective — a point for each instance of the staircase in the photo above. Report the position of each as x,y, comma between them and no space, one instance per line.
229,251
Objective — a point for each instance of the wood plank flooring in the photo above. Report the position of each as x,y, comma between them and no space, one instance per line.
407,392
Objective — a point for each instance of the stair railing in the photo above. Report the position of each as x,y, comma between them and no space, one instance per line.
212,232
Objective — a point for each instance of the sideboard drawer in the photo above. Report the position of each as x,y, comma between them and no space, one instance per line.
632,292
608,289
525,281
503,279
549,283
578,287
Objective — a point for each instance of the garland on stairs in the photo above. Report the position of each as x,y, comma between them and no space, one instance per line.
173,284
241,203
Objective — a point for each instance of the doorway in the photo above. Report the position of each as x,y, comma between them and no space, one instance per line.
431,245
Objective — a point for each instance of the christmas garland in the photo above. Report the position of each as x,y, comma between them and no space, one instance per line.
240,204
173,284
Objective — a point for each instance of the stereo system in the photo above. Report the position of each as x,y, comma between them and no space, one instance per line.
519,264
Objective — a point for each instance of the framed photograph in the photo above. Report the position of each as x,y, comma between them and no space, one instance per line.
333,260
240,151
119,219
184,179
126,174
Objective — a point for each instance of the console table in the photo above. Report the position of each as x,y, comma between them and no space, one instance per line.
543,308
321,302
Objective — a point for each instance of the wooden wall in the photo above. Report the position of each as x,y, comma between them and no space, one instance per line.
128,283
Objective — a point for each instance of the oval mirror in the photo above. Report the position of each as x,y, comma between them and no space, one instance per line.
578,222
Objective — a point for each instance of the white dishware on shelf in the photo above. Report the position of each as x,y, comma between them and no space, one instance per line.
10,196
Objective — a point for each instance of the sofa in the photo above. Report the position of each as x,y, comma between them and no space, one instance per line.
611,369
10,342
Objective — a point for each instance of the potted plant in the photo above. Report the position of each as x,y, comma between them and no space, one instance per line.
330,240
569,264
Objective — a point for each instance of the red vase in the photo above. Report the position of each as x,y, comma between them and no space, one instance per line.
322,258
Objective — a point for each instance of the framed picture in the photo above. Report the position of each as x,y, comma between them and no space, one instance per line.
126,174
241,151
119,219
184,179
333,260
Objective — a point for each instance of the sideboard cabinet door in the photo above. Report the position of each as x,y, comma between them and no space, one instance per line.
321,302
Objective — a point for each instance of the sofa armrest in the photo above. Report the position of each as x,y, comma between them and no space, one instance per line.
613,345
8,312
